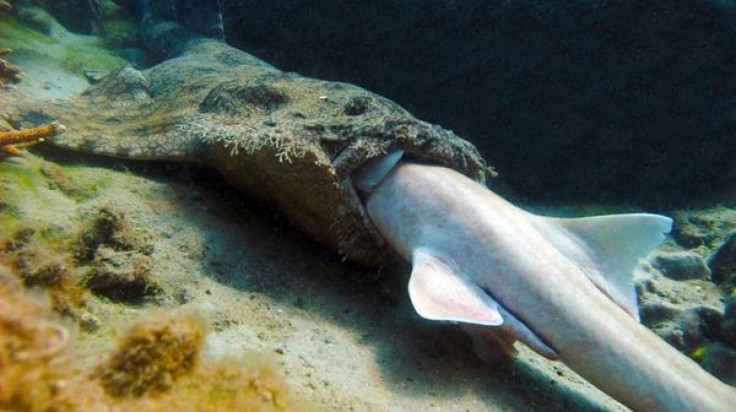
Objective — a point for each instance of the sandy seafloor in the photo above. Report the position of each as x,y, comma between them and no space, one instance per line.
344,337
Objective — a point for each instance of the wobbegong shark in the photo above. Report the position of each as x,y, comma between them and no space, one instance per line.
562,286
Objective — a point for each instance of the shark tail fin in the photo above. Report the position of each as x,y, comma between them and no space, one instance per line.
607,248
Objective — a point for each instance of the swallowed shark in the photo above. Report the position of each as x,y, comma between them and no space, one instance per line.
558,285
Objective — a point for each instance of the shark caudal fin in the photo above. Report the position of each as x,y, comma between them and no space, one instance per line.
607,248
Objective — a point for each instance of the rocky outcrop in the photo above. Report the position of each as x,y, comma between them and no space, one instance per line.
80,16
681,265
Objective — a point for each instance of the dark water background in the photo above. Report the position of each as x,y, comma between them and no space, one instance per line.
624,101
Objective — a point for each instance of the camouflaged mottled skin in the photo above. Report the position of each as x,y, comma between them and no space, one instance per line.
287,139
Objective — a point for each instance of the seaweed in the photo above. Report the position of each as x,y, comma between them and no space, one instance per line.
153,356
108,227
119,266
38,265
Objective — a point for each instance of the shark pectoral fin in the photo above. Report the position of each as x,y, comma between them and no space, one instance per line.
607,248
438,292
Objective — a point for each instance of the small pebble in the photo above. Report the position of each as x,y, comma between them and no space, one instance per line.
89,322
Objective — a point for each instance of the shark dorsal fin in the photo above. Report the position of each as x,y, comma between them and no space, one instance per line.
439,293
607,248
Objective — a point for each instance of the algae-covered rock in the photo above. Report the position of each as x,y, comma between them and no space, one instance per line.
722,262
156,366
720,360
122,277
728,324
703,228
153,355
8,72
280,137
81,16
681,265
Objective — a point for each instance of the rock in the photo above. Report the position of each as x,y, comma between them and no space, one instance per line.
653,314
722,262
686,330
699,326
720,360
728,324
123,277
89,322
672,335
80,16
681,265
703,228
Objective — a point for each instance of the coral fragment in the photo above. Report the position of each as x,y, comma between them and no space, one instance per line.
8,139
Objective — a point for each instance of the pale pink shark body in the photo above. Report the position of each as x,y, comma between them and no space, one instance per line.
480,261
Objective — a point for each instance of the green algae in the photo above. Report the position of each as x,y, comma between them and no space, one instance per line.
74,53
120,32
22,177
15,35
90,56
67,179
19,179
16,181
